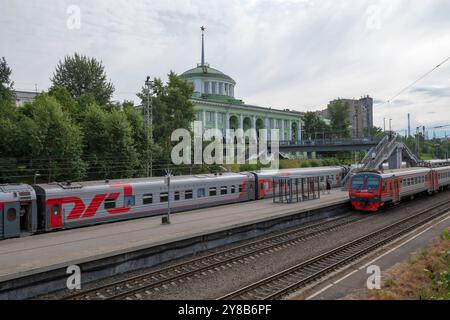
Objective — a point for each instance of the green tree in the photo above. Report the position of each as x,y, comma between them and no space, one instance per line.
141,137
172,109
80,74
53,138
109,144
63,97
314,126
374,132
339,116
6,85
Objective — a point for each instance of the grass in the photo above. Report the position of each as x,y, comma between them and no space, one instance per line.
425,277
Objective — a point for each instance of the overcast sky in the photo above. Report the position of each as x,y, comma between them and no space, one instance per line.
296,54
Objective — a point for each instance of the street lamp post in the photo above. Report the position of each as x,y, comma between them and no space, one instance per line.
390,125
166,219
149,124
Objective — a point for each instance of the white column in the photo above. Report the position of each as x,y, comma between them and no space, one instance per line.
210,87
227,125
216,120
204,119
290,130
241,122
254,122
299,137
267,128
282,136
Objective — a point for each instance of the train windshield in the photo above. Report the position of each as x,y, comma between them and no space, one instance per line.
372,183
365,182
357,182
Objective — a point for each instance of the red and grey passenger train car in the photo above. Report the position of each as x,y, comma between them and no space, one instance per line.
371,190
18,210
28,209
66,205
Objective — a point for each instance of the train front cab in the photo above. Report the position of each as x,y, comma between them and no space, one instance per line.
365,192
18,211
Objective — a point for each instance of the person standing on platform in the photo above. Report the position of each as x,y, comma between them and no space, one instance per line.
328,186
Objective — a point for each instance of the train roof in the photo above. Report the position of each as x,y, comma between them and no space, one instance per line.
148,180
397,172
310,171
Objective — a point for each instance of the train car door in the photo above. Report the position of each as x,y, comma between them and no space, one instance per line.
436,181
396,190
55,213
11,220
251,190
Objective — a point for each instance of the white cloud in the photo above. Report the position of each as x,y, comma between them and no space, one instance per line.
297,54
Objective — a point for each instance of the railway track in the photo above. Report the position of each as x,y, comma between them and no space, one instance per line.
298,276
145,285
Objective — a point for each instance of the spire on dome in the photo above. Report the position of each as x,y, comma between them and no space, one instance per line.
203,45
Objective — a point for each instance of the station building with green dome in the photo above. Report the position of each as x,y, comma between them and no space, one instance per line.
216,105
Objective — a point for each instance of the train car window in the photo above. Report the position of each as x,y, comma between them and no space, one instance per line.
384,185
163,197
240,188
12,214
176,195
261,186
357,182
372,183
415,180
223,190
212,192
55,210
201,193
110,203
233,189
129,201
147,198
188,194
266,185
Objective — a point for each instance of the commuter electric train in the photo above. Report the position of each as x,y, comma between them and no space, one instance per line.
26,209
372,190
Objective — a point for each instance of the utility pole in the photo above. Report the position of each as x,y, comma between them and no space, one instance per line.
384,124
409,125
149,125
446,142
166,219
418,139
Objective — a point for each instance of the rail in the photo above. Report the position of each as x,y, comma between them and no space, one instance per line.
296,277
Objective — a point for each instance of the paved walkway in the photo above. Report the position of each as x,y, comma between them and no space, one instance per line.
25,256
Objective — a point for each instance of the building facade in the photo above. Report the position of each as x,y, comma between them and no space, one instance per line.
22,97
360,115
217,108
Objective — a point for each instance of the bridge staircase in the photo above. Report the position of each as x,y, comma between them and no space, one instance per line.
390,150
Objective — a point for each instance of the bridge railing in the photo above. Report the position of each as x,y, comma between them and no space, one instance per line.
321,142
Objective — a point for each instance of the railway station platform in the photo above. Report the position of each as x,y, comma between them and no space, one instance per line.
108,249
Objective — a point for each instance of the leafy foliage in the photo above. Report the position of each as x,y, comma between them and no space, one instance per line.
314,126
66,134
80,75
6,84
339,116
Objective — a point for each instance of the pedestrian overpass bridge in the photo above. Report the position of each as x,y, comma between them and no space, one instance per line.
329,145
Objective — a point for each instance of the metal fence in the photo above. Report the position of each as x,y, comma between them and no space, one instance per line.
292,190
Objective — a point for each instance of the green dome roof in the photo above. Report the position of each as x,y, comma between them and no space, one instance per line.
206,71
